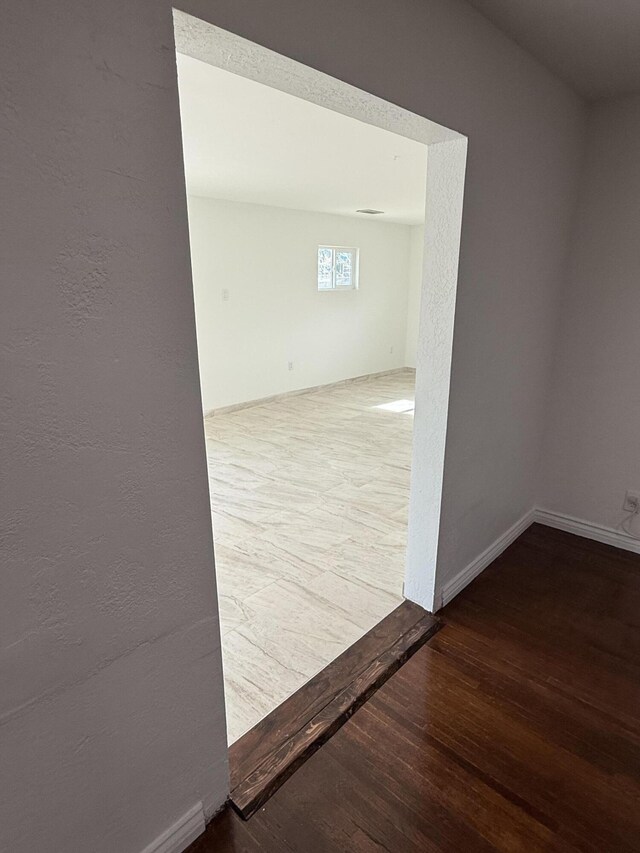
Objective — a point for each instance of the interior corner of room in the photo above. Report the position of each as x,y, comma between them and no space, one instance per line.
270,178
265,330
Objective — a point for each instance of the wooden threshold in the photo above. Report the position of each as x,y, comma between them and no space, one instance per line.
262,759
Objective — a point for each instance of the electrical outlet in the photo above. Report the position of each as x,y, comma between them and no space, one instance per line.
290,365
225,295
631,502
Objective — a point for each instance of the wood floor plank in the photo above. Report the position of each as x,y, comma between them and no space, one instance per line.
515,728
308,719
253,748
553,783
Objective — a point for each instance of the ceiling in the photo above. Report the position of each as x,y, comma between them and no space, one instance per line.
244,141
594,45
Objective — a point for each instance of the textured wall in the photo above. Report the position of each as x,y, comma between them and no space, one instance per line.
111,714
416,257
591,449
111,724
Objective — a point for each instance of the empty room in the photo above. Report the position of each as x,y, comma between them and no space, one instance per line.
306,232
320,527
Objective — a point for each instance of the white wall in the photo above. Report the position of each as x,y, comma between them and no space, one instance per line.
593,431
111,713
111,709
416,245
266,258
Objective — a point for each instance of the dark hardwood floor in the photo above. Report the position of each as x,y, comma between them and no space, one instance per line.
264,758
516,728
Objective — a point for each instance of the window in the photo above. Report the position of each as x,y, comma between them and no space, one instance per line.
337,268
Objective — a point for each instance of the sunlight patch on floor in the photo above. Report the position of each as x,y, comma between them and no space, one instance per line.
400,406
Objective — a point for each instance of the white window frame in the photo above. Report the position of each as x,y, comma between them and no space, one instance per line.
355,267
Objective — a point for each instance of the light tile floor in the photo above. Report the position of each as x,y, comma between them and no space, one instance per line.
309,497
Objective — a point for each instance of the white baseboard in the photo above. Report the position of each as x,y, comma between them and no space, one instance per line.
179,836
588,530
274,398
458,583
606,535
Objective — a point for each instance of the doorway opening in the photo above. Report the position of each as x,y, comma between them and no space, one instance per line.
325,229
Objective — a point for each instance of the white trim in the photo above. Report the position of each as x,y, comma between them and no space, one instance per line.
458,583
274,398
179,836
588,530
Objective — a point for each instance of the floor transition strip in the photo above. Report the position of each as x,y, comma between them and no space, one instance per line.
266,756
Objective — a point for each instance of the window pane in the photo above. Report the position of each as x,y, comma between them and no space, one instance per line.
344,269
325,268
